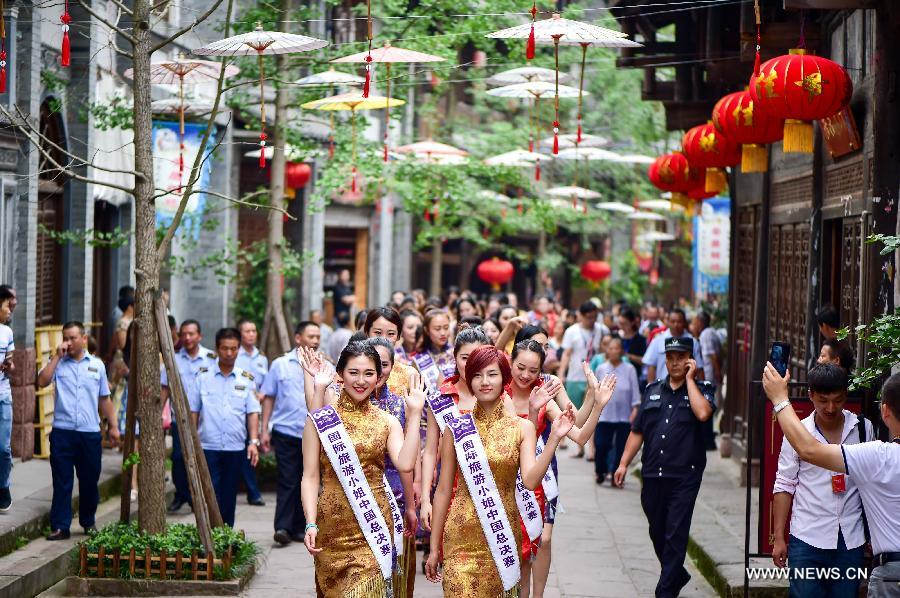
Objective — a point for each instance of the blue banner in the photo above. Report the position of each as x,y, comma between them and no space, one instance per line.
172,170
712,247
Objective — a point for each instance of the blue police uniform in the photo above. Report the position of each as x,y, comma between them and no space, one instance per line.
284,384
188,367
673,460
257,364
223,402
79,386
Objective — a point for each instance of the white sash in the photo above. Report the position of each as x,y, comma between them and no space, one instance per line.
342,455
476,471
428,368
397,516
549,483
445,409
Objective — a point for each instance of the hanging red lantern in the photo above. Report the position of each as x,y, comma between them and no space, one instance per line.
737,117
297,174
673,173
706,147
800,88
596,270
495,272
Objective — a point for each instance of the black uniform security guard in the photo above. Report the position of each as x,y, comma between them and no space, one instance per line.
669,424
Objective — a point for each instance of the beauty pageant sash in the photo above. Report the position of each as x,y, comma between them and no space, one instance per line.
549,483
428,368
476,471
342,455
397,516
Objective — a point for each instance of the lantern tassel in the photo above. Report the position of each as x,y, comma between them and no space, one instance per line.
330,147
2,71
368,81
537,171
754,158
716,181
555,137
66,52
385,152
181,159
680,199
262,150
578,137
427,215
798,137
353,185
530,47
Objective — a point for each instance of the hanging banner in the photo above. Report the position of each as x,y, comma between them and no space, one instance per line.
712,242
169,177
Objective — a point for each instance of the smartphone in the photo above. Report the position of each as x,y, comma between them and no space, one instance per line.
780,357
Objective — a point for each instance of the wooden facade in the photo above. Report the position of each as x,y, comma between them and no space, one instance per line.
798,231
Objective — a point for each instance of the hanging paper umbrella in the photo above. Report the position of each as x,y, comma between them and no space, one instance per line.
176,105
661,205
261,42
432,151
526,74
177,71
656,237
289,150
589,154
387,55
570,140
636,159
330,78
520,159
573,192
615,206
559,31
352,102
646,216
493,196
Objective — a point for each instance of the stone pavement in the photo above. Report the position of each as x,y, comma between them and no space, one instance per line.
600,546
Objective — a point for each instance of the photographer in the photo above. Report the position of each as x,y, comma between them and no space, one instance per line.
873,466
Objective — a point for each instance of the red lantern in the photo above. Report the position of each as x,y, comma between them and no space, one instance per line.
595,270
673,173
297,174
495,272
737,117
706,147
800,88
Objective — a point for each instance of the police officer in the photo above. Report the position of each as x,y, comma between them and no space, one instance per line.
670,426
251,360
225,411
81,389
190,358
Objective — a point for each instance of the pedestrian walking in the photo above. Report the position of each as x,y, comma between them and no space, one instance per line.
615,421
7,347
342,294
826,515
339,338
225,412
189,360
80,392
655,357
873,466
251,360
669,425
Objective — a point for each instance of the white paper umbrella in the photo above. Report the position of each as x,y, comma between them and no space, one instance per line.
572,191
615,206
571,140
647,216
656,237
329,78
636,159
387,55
525,74
520,159
559,31
434,151
174,105
662,205
588,154
260,43
493,196
289,150
532,89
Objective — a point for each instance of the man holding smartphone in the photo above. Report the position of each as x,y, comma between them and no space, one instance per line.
80,391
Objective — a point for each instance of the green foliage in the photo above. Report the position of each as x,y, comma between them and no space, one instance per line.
131,460
118,113
250,302
21,542
631,284
88,237
178,537
54,86
891,243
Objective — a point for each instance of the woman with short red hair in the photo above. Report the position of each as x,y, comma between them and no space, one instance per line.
487,449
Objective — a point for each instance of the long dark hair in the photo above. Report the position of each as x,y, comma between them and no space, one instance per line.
358,349
532,346
530,331
430,315
388,313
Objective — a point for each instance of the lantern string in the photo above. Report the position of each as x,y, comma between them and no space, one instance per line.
756,63
801,43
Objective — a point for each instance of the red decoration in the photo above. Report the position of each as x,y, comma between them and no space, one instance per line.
673,173
66,53
353,184
368,81
3,71
262,150
800,88
738,118
555,137
530,46
297,174
596,270
537,170
706,147
495,272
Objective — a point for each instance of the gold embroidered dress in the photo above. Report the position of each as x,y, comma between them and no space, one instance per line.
346,567
469,568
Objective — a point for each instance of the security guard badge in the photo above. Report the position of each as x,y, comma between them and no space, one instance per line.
247,374
654,397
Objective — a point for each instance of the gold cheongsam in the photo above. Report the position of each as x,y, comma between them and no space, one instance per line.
346,567
469,568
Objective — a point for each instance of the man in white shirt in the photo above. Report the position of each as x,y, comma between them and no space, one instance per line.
655,357
873,466
826,511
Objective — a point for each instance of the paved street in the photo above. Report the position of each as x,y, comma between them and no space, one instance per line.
601,546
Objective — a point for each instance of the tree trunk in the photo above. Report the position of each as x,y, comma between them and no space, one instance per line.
437,262
276,330
151,473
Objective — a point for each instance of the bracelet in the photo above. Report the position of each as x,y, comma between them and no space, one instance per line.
780,407
310,526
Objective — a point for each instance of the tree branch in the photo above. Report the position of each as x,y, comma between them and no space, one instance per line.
245,203
122,7
106,22
190,27
192,179
162,246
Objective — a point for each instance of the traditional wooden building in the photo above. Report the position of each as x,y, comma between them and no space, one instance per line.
798,231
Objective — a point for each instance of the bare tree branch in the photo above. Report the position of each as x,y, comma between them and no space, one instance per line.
190,27
194,177
248,204
106,22
122,7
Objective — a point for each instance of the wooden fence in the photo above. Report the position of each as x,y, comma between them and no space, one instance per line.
177,566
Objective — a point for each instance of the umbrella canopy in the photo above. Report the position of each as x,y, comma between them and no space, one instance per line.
662,205
593,154
532,89
573,192
175,105
431,148
330,77
571,140
289,150
352,100
526,74
636,159
261,42
647,216
656,237
493,196
615,206
516,158
181,69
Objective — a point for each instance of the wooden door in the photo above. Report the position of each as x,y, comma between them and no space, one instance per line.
788,291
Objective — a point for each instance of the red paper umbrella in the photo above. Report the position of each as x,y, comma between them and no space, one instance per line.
737,117
706,147
596,270
800,88
673,173
495,272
